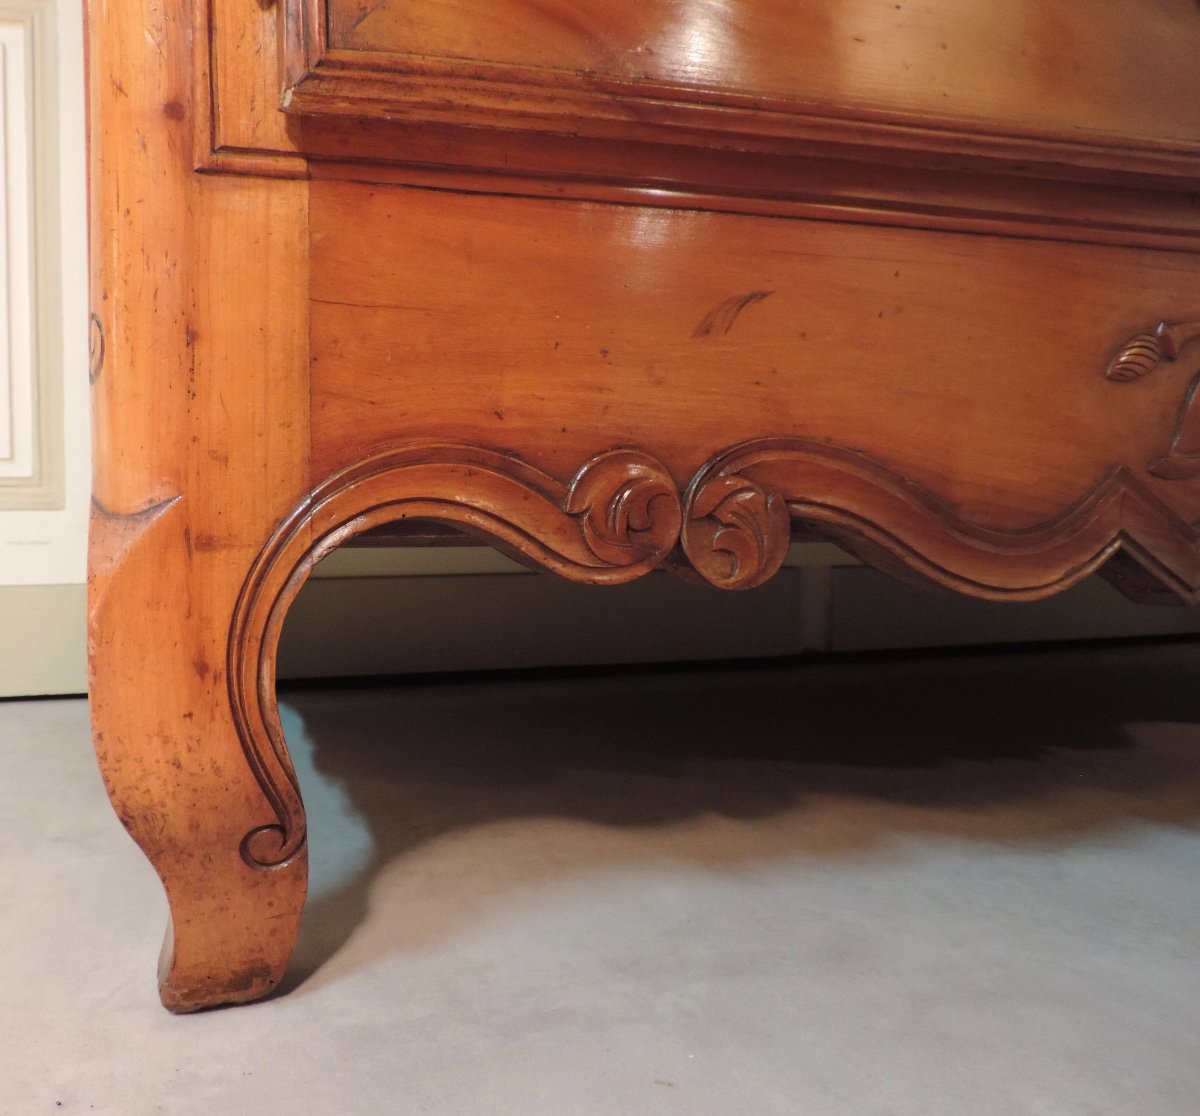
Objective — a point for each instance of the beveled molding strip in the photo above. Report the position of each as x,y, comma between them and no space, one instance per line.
319,78
999,185
622,515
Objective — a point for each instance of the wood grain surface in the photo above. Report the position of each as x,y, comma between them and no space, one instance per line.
615,287
1056,65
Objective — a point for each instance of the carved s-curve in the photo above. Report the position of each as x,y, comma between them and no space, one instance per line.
619,518
738,512
1182,460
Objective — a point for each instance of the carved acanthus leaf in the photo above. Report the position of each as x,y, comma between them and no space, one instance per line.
628,508
735,532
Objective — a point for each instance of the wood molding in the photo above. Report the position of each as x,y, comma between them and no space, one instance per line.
617,519
32,477
324,79
621,516
829,172
739,508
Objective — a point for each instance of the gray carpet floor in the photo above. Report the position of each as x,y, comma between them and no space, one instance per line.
962,885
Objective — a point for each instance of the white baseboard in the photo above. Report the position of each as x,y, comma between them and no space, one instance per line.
43,640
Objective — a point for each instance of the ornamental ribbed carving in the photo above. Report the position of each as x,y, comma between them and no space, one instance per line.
1144,352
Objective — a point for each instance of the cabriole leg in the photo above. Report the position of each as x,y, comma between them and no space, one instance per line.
173,762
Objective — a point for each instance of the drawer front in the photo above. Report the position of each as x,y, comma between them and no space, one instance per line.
975,367
1120,75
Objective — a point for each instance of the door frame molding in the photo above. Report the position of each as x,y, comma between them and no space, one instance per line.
44,487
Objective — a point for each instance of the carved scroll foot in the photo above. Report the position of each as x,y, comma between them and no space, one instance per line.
172,759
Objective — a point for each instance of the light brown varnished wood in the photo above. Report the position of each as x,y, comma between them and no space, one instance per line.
1009,64
739,509
974,366
1048,81
857,166
201,444
613,286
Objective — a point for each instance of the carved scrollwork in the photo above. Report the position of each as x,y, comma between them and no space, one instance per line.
621,516
735,532
627,506
618,519
738,512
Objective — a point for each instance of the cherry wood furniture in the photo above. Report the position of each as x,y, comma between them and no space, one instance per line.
617,285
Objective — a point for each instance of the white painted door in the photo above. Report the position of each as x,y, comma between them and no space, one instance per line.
44,444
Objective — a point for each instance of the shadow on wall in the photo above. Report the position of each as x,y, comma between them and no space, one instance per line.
433,804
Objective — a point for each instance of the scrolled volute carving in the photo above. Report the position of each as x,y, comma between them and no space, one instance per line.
627,506
735,531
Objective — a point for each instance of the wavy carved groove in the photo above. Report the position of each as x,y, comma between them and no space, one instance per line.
739,508
616,520
1182,461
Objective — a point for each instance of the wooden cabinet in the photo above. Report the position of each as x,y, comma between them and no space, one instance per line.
616,286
